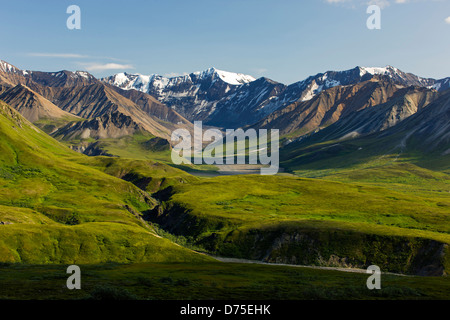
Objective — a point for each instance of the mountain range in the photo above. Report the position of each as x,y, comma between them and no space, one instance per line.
238,100
80,94
76,107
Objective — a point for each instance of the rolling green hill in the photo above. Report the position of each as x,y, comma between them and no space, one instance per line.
55,209
311,221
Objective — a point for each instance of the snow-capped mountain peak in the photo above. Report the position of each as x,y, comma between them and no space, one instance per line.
225,98
9,68
378,70
129,81
84,74
228,77
141,82
6,67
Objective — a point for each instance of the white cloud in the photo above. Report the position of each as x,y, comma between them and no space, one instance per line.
57,55
381,3
106,66
447,20
71,56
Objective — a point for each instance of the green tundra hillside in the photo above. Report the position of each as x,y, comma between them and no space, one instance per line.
312,222
55,209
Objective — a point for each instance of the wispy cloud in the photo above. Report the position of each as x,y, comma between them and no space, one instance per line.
71,56
105,66
447,20
57,55
110,58
175,74
117,64
260,70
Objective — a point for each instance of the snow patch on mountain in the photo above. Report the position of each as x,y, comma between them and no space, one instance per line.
83,74
312,91
142,82
374,70
6,67
234,78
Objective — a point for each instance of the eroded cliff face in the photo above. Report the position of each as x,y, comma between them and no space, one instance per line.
299,244
336,248
331,248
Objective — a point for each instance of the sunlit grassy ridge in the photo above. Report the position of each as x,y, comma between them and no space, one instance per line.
309,221
99,242
247,200
147,174
136,146
58,210
140,151
400,176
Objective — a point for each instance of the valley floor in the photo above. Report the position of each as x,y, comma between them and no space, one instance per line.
206,281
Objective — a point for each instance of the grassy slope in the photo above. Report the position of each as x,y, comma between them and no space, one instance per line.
383,164
149,175
131,147
51,125
320,159
247,200
63,211
136,147
236,216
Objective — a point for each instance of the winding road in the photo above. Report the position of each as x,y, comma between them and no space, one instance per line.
354,270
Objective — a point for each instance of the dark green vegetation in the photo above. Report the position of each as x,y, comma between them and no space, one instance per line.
155,281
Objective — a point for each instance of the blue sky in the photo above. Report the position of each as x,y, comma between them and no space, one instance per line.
284,40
